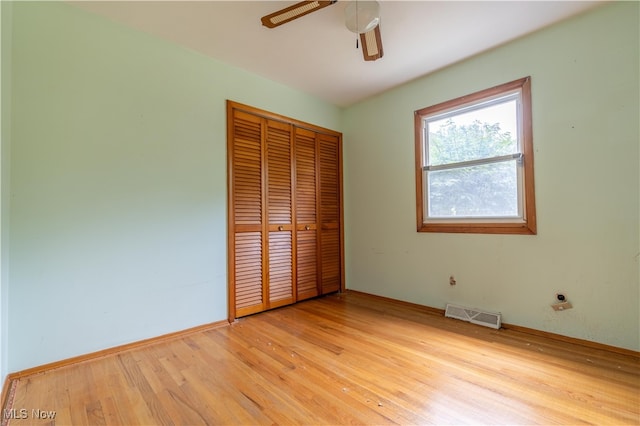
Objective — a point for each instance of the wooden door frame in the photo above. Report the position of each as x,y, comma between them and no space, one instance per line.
236,106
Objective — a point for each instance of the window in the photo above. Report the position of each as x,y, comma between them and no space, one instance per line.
474,163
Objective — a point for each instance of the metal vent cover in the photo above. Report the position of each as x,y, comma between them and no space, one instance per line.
472,315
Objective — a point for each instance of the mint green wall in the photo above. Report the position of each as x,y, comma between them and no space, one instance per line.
586,138
118,182
5,139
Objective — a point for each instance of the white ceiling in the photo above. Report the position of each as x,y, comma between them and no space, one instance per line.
317,54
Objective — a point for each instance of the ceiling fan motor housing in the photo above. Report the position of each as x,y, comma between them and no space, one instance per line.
362,16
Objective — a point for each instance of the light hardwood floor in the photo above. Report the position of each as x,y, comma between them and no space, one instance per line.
341,359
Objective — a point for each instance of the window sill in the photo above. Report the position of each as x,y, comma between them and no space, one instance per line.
480,228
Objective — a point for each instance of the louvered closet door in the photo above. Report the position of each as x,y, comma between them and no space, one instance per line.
280,275
330,213
306,217
284,210
246,212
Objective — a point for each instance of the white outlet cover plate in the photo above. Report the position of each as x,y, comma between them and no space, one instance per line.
561,306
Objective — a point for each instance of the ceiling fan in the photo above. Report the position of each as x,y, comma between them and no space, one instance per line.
361,17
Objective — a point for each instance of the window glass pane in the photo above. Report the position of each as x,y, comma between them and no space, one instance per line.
487,132
487,190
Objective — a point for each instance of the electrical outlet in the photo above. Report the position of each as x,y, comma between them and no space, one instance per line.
561,306
452,280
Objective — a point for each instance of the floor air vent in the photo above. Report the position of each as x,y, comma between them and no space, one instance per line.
476,316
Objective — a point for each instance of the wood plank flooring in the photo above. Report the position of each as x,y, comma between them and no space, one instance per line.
341,359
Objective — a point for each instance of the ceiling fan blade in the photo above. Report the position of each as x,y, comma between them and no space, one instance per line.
372,44
293,12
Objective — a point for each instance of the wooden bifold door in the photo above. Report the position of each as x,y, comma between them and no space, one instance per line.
285,233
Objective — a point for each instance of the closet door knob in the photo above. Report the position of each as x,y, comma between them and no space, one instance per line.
280,228
307,227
